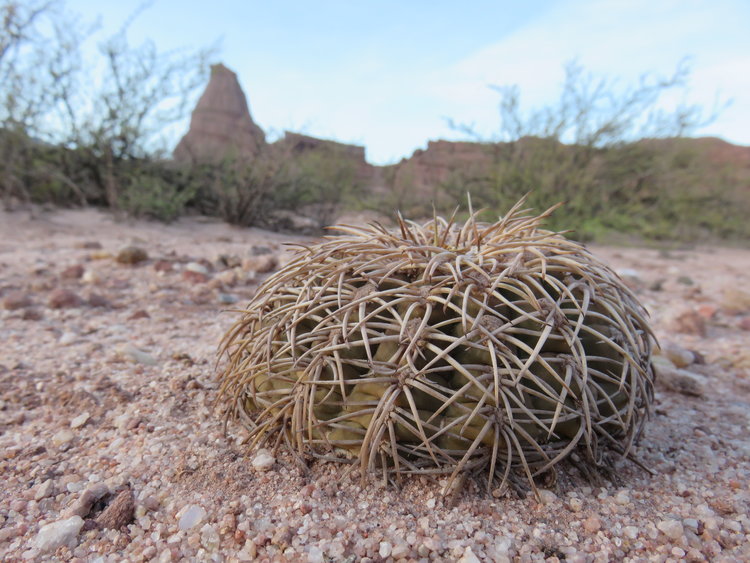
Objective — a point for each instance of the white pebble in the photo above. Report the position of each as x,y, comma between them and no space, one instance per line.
469,557
62,437
136,355
98,490
500,551
56,534
46,489
691,524
385,549
121,421
263,460
671,528
193,516
315,554
67,338
90,276
547,496
575,504
622,497
75,486
196,267
80,420
630,532
210,538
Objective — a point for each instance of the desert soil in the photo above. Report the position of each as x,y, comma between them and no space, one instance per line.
111,448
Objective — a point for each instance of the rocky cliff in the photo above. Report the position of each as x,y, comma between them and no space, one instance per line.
221,125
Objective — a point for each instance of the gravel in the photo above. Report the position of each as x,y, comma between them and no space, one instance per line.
100,400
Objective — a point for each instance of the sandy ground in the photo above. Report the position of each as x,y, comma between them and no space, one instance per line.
111,449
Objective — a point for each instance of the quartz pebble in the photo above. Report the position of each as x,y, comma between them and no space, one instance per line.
678,355
137,355
46,489
82,506
197,268
680,380
385,549
80,420
263,460
62,437
67,338
193,516
671,528
575,504
546,496
63,532
622,498
210,538
469,556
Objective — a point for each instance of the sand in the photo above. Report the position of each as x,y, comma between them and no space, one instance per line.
108,389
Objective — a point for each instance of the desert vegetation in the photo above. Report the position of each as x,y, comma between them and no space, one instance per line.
77,132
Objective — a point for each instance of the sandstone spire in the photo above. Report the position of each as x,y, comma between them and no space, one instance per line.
221,125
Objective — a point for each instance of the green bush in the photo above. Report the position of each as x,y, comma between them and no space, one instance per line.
160,193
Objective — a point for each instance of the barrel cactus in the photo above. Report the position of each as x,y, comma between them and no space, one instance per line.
484,349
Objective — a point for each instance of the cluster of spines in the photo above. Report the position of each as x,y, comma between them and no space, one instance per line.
437,349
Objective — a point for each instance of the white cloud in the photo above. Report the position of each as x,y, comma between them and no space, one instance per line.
394,111
618,39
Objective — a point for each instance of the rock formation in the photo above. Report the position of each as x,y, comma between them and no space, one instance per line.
295,144
434,166
221,125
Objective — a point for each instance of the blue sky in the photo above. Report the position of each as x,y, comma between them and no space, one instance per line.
388,74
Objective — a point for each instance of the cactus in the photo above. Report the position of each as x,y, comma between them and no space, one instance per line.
483,349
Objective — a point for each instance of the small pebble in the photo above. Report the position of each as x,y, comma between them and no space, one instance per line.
80,420
82,506
385,549
469,556
575,504
46,489
63,299
98,490
546,496
62,437
16,300
197,268
263,460
67,338
671,528
592,524
63,532
130,352
151,503
622,498
91,277
72,272
193,516
131,255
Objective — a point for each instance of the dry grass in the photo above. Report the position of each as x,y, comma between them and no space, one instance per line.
495,349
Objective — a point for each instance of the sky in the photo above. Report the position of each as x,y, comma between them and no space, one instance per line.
391,75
